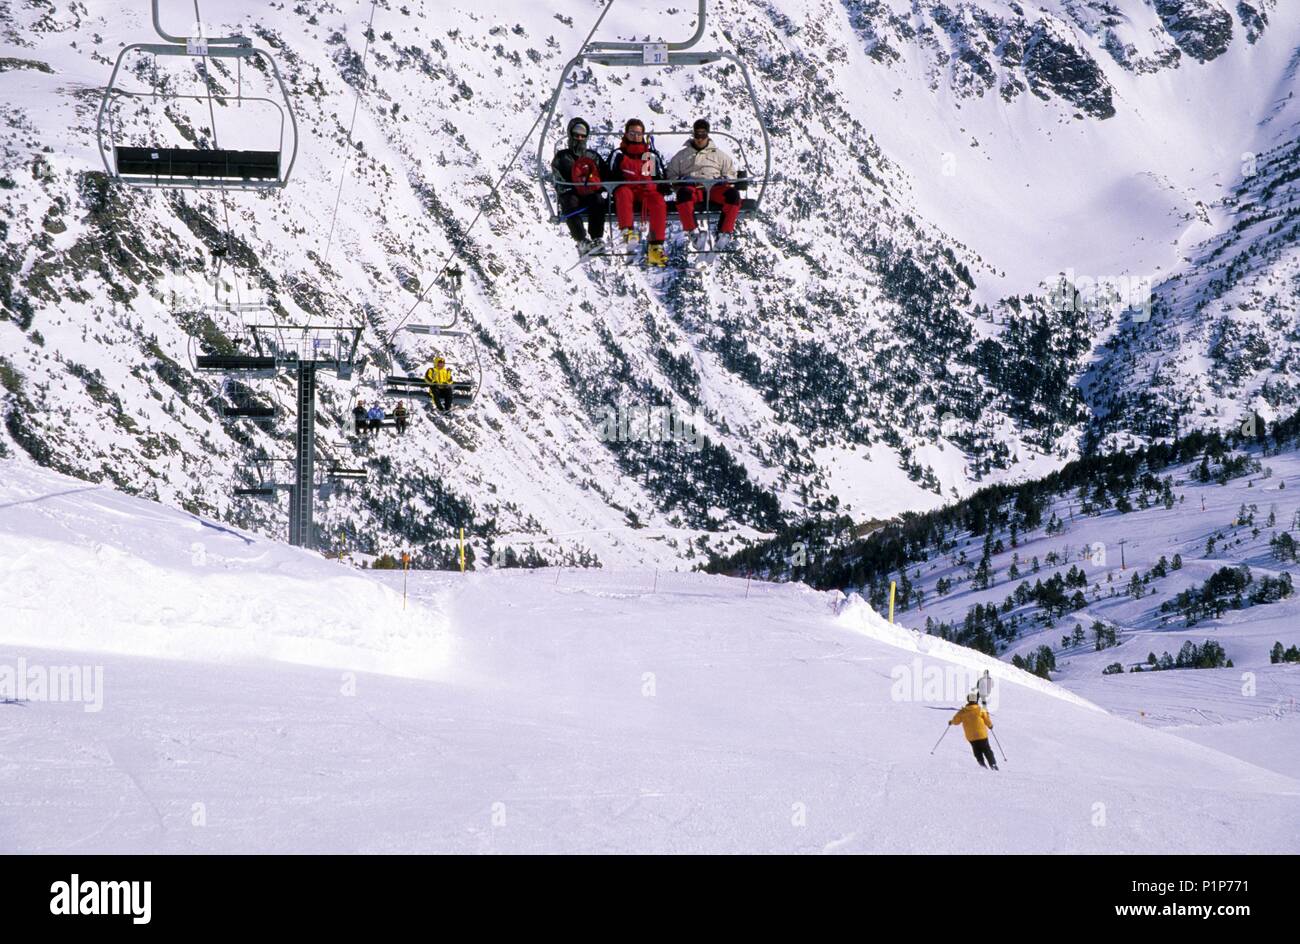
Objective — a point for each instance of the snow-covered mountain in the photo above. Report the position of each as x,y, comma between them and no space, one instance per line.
187,686
893,334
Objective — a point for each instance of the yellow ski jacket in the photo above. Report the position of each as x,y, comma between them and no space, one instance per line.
975,722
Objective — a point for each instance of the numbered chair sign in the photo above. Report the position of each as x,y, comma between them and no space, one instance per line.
654,54
196,45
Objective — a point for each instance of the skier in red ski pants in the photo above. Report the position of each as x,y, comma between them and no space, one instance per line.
639,169
721,195
699,167
630,198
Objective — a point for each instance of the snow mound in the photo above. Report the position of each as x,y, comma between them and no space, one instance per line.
86,568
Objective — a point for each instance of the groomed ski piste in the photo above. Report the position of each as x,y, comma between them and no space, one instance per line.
243,696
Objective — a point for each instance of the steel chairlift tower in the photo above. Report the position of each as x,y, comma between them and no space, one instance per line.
134,158
316,347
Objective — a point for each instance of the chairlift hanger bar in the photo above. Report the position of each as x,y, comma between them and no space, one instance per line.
211,40
673,47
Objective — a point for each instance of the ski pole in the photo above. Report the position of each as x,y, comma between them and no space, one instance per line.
998,743
941,737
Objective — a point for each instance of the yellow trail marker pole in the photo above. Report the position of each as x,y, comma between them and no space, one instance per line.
462,550
892,584
406,567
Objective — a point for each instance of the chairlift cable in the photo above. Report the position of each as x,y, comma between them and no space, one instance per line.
347,148
212,117
495,187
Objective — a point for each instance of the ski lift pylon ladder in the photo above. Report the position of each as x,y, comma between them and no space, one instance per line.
654,55
196,168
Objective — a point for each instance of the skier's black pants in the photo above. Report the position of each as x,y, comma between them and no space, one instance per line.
595,204
982,750
401,425
442,396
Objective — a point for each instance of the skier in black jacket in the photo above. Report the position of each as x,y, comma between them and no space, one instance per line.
576,171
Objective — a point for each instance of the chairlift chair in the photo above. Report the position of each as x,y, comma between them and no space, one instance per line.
660,55
371,390
261,470
249,354
336,478
707,212
459,351
242,404
139,161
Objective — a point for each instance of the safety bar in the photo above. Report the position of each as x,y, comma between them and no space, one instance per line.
436,331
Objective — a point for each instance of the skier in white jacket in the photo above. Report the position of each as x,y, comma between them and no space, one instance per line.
700,165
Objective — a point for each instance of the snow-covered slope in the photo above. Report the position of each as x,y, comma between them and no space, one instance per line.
938,164
1210,526
543,711
1109,577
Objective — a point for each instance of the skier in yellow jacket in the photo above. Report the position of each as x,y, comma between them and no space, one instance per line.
438,377
976,723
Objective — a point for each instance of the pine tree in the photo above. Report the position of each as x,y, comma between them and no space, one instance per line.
1135,587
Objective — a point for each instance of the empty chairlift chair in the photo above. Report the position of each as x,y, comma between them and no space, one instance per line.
133,157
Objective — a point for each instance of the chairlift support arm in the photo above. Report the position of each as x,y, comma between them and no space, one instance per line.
673,47
212,41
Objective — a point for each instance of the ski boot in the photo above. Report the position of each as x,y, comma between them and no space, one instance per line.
655,256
